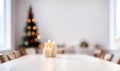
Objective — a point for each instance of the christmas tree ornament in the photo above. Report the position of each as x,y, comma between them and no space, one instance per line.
36,40
33,20
26,38
38,36
29,33
28,27
32,35
28,20
40,46
34,27
26,43
31,41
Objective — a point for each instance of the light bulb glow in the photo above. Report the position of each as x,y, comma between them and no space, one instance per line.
38,36
28,20
34,27
33,20
28,27
33,33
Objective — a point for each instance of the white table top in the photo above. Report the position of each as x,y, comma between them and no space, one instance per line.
66,62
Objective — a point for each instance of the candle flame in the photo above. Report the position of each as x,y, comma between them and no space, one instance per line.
53,42
49,41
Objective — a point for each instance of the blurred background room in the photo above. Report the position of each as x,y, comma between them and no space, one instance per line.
90,27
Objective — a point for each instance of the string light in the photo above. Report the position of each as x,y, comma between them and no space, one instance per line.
31,40
28,20
33,33
40,46
26,43
29,33
34,27
38,36
28,27
33,20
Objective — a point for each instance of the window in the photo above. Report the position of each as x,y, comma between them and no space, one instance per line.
5,24
114,24
117,23
117,18
112,10
2,22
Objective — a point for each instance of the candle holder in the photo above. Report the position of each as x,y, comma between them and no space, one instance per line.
50,49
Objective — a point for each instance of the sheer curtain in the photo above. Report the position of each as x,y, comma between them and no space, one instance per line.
2,21
5,25
117,23
118,18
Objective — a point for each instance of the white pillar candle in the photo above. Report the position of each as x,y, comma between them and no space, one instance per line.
49,49
46,51
53,49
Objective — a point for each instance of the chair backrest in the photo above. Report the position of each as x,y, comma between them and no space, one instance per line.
118,61
108,57
16,54
23,51
37,50
9,57
98,53
61,51
2,59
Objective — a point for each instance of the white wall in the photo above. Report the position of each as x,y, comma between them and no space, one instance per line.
66,20
13,23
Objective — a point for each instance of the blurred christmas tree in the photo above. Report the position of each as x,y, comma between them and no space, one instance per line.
32,37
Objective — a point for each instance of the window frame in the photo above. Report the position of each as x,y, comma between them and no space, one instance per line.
113,37
116,18
7,26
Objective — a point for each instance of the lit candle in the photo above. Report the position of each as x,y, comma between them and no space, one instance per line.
46,51
53,49
53,44
48,43
49,49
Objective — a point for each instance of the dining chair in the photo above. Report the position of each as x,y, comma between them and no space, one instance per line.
23,51
118,61
108,56
9,57
2,60
37,50
62,51
98,53
16,54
